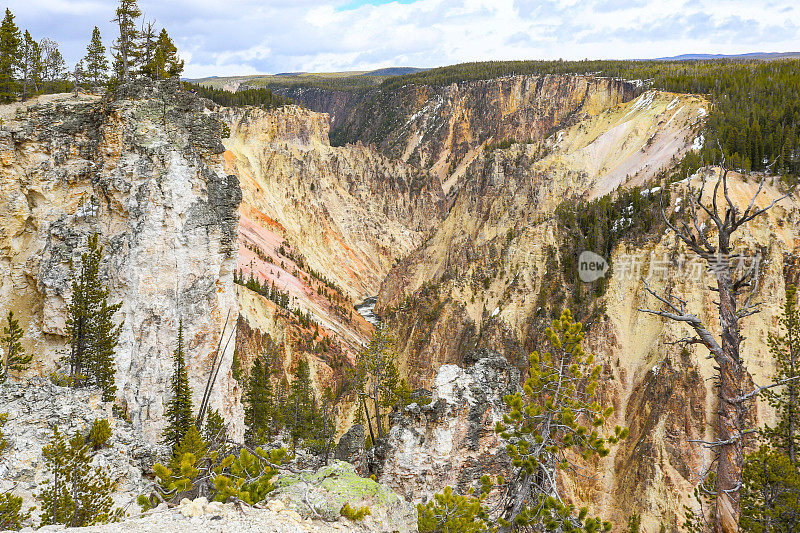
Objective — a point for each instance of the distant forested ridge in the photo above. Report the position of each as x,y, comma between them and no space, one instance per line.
755,114
249,97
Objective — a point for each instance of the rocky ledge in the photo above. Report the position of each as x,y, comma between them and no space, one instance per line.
202,516
37,406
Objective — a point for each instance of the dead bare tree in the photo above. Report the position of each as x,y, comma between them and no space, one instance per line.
736,288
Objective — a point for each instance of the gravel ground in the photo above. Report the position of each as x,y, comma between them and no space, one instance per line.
200,516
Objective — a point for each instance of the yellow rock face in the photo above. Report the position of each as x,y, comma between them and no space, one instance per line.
476,281
348,212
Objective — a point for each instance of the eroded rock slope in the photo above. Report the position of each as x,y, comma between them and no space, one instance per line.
493,274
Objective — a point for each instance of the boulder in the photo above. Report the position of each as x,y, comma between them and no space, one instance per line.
323,493
350,445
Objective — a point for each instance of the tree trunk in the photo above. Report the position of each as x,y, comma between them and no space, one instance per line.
729,422
369,422
55,497
792,397
378,425
5,362
520,498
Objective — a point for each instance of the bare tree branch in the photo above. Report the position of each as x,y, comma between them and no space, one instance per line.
759,390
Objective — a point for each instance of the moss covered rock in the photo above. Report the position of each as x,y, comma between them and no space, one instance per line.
323,493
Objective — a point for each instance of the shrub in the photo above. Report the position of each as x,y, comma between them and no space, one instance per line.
3,443
356,515
99,434
194,470
11,515
247,477
450,512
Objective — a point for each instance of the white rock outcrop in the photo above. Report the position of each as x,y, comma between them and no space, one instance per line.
35,407
145,170
451,440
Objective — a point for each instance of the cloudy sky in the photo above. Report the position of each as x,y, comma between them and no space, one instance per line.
233,37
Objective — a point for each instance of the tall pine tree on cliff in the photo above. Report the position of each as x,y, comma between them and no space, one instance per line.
30,66
179,408
95,60
92,333
9,58
126,49
14,357
164,62
259,408
771,476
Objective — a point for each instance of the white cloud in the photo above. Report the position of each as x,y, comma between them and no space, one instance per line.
252,36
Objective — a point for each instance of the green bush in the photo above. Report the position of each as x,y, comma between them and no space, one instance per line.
3,443
247,477
11,515
195,469
356,515
99,434
450,512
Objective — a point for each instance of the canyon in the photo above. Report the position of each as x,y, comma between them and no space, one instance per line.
447,204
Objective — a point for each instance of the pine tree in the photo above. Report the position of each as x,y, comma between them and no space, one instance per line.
770,498
53,65
78,77
179,408
31,66
11,514
93,336
76,494
375,375
556,419
3,441
9,58
770,492
191,442
785,350
14,356
127,54
147,45
302,407
105,338
95,60
165,62
450,512
215,430
281,405
259,408
324,426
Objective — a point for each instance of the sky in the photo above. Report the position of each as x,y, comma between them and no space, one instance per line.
240,37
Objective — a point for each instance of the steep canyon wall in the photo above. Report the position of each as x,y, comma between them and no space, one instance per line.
145,170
